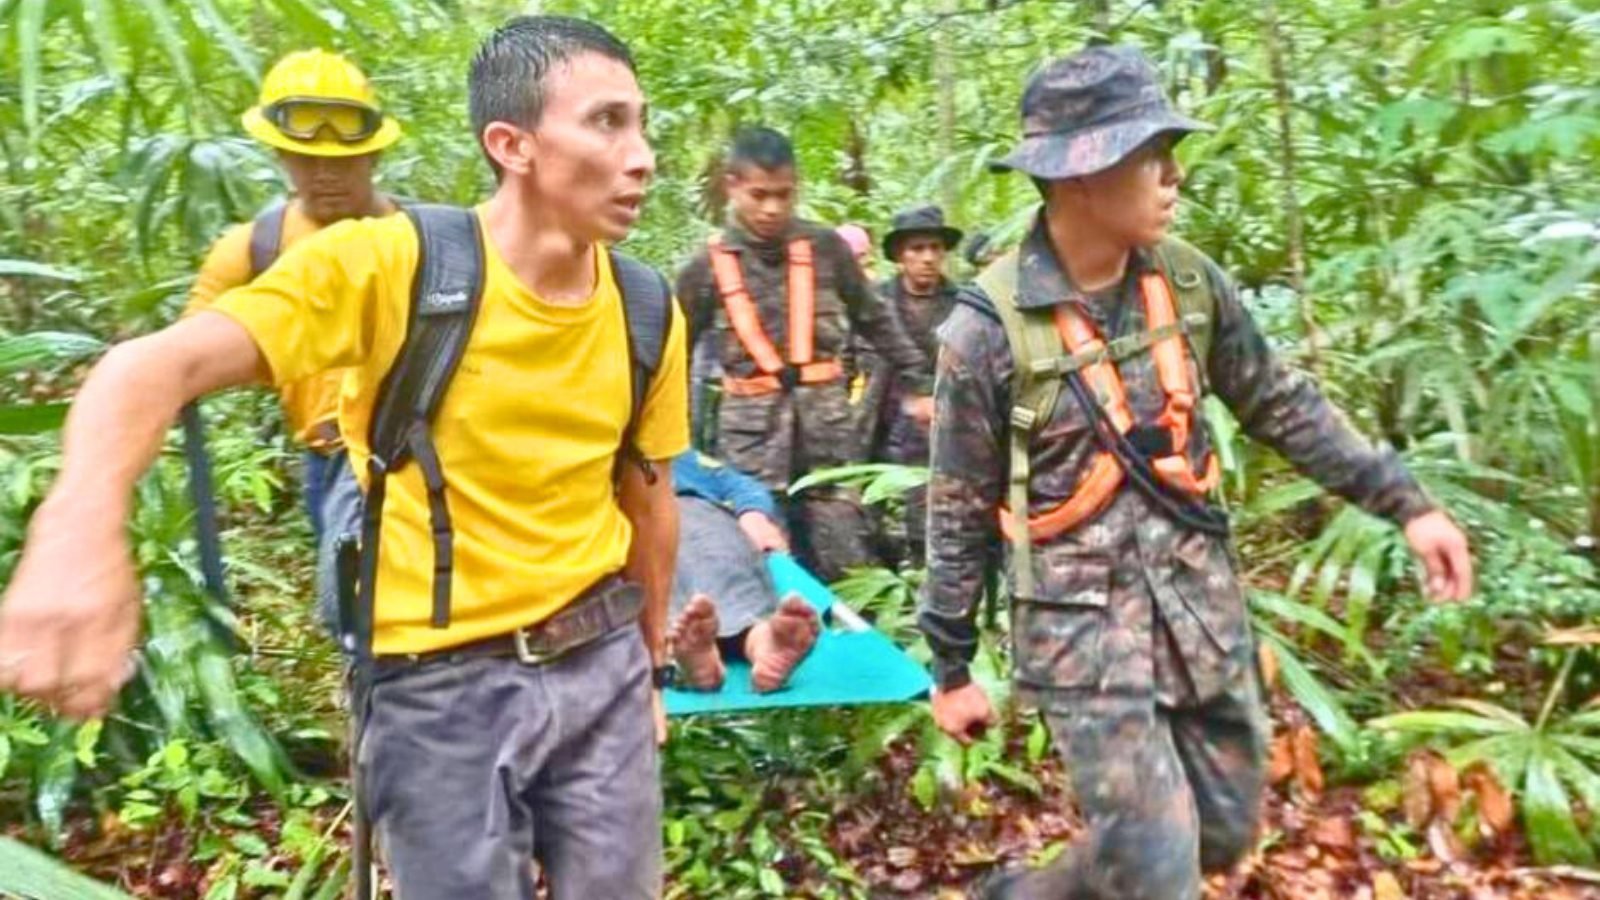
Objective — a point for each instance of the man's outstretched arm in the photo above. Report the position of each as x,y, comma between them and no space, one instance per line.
70,616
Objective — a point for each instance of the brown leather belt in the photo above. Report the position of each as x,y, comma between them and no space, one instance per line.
325,437
609,604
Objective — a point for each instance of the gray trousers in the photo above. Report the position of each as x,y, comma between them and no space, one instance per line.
476,768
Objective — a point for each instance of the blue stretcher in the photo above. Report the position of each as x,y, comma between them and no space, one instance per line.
851,664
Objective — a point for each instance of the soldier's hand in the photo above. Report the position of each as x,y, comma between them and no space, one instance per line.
1442,547
763,532
918,408
70,616
963,713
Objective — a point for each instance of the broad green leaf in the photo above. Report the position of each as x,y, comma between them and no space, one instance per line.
1313,696
55,777
22,268
1444,722
34,875
1576,773
224,33
1490,711
101,23
39,348
1547,816
166,30
32,418
30,36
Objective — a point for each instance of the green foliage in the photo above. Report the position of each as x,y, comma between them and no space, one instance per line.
1443,155
31,875
1549,762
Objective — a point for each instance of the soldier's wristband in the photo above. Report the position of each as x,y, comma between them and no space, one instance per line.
951,677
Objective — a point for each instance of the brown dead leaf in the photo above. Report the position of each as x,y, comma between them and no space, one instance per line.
1267,659
1444,843
1280,760
1496,813
1387,887
1431,789
1307,768
902,857
908,880
1445,786
1586,636
1334,834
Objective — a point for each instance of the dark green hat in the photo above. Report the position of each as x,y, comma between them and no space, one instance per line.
1086,112
922,220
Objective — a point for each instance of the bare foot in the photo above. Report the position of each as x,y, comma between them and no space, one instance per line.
777,644
693,639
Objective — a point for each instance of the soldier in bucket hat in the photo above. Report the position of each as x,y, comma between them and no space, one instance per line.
918,296
1068,419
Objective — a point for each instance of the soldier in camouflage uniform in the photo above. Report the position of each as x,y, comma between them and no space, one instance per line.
919,296
779,425
1129,628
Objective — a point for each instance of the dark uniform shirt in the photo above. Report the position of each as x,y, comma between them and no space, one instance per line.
1131,601
905,440
845,302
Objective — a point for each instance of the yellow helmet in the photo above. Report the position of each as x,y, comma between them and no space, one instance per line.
319,104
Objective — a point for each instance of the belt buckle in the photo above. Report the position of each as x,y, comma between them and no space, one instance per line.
527,655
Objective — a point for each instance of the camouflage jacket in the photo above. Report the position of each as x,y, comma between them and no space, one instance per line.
1130,602
905,440
845,302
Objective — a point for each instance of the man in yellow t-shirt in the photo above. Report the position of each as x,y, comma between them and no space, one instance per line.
319,112
477,754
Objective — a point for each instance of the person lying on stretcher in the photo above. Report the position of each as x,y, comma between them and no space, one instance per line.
724,603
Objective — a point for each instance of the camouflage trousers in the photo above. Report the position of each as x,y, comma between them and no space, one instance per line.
779,438
1167,793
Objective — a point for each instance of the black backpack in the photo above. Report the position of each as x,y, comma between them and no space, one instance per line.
445,295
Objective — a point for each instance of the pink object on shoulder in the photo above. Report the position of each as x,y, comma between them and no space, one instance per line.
856,237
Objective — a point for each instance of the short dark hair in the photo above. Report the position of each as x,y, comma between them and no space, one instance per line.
762,147
507,80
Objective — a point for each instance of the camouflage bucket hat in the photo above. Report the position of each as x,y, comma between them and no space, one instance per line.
1086,112
927,220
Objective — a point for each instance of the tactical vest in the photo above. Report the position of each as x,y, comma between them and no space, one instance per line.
1049,343
743,316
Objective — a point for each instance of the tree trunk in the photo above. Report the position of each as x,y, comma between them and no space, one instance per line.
1278,50
944,74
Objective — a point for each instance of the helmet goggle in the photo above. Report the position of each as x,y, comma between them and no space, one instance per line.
304,118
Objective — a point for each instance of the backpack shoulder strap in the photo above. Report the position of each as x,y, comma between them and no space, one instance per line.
1036,349
266,238
1186,268
647,310
446,291
1036,355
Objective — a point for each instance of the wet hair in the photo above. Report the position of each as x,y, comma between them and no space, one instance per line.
761,147
507,80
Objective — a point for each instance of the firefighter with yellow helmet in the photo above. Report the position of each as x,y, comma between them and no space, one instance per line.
320,114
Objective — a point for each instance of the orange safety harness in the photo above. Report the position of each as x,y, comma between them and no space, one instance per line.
776,374
1090,355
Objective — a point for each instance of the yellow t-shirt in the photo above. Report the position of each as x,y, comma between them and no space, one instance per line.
311,405
526,433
